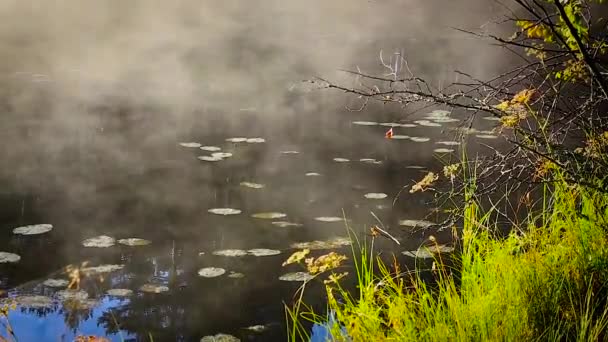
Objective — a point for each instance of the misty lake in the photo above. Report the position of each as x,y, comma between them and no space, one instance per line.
170,158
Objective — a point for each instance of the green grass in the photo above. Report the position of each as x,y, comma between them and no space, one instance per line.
547,280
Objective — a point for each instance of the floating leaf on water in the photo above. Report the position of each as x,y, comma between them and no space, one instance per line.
491,118
370,161
365,123
190,144
33,229
427,123
375,195
408,125
209,158
236,275
445,120
56,283
438,113
400,137
211,272
224,211
102,269
33,302
415,223
252,185
256,140
260,252
290,152
211,148
312,174
420,139
230,252
237,140
269,216
336,242
133,242
257,328
329,219
443,150
286,224
119,292
79,295
102,241
341,160
154,288
6,257
296,276
390,124
222,155
416,167
486,136
220,338
448,143
428,252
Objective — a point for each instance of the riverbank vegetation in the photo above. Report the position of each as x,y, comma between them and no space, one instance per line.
529,220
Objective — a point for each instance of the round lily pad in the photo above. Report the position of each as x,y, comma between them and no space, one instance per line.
290,152
230,252
224,211
33,229
220,338
332,243
259,252
6,257
119,292
486,136
222,155
375,195
102,241
420,139
448,143
190,144
269,215
237,140
370,161
133,242
154,288
415,223
92,270
252,185
400,137
255,140
341,160
72,295
286,224
211,272
258,328
296,276
365,123
56,283
428,252
443,150
329,219
427,123
34,302
211,148
236,275
416,167
491,118
445,120
407,125
312,174
390,124
210,158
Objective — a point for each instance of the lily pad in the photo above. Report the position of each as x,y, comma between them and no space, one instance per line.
102,241
236,140
222,155
375,195
408,125
486,136
133,242
445,120
312,174
341,160
415,167
443,150
400,137
428,252
269,215
370,161
332,243
209,158
236,275
427,123
6,257
119,292
448,143
420,139
290,152
296,276
34,302
252,185
256,140
56,283
33,229
258,328
416,223
491,118
220,338
390,124
329,219
211,148
260,252
211,272
286,224
365,123
154,288
79,295
102,269
224,211
230,252
190,144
